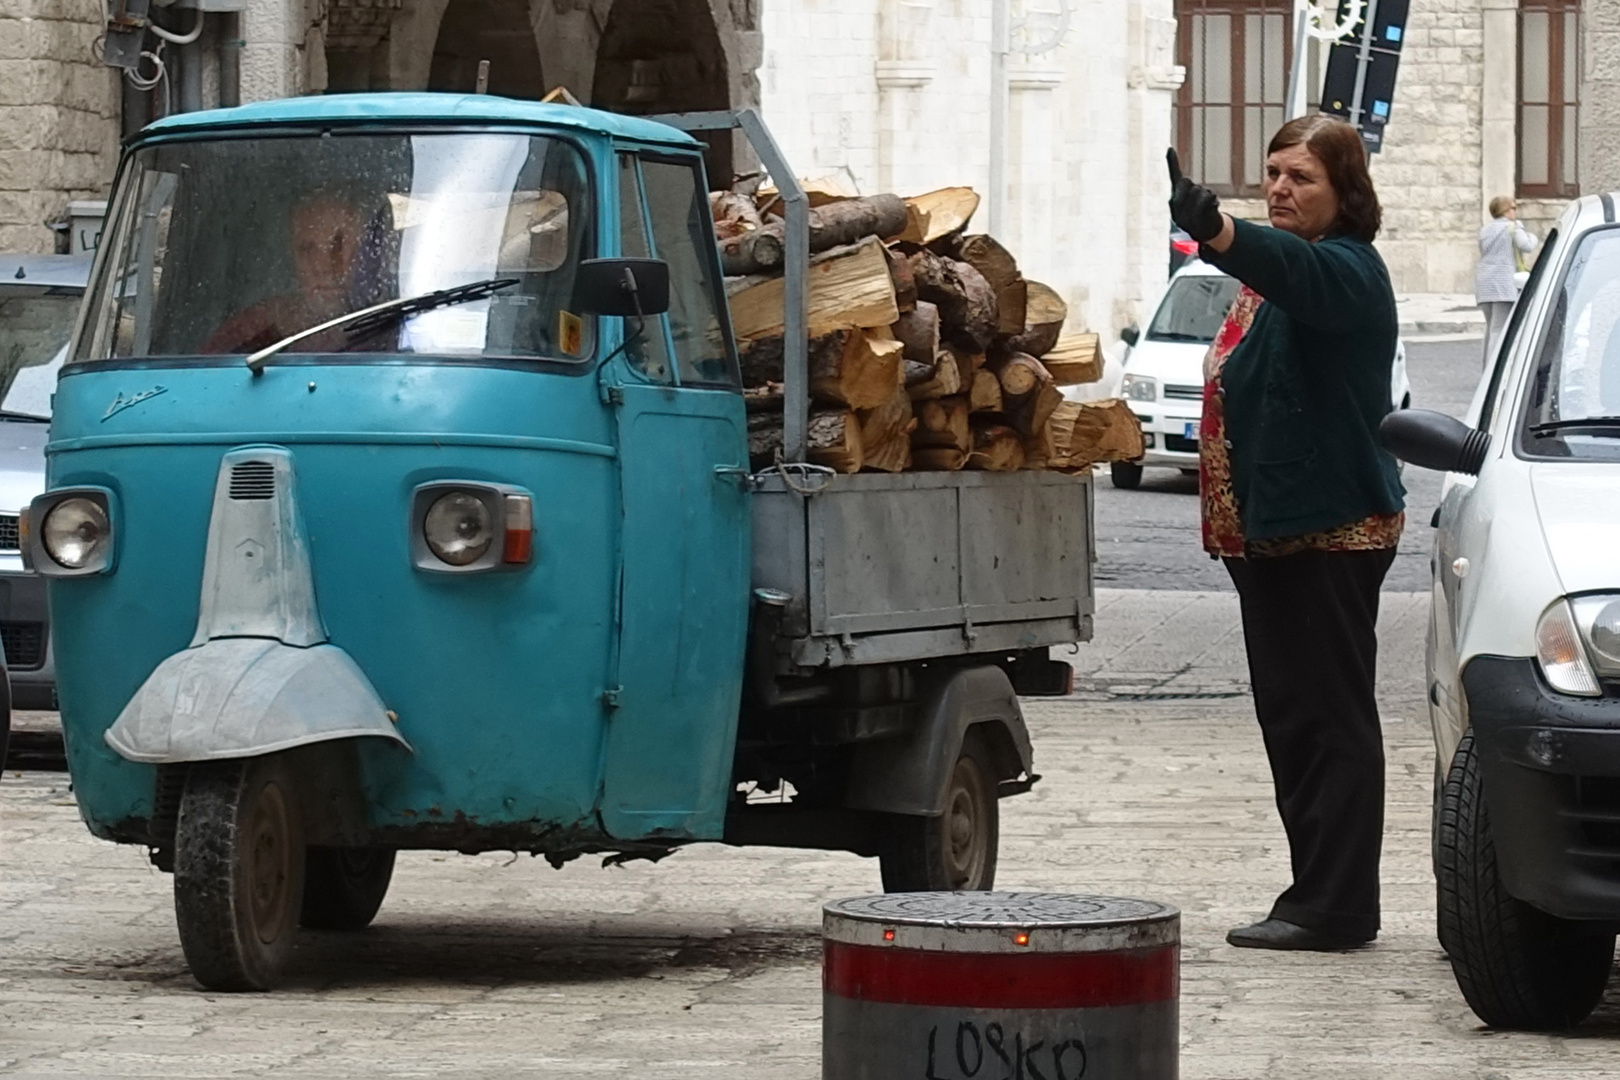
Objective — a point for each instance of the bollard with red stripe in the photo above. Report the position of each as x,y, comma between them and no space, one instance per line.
999,986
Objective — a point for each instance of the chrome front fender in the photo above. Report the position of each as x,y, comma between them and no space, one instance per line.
239,697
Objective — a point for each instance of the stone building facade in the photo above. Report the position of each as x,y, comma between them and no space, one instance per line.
58,116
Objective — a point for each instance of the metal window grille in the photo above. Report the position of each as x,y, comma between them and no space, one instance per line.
1236,53
1548,98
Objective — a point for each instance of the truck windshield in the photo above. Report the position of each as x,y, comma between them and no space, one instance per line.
222,247
1193,308
1573,405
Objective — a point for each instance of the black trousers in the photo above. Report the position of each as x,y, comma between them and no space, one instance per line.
1310,624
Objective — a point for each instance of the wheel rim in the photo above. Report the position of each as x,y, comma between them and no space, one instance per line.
269,869
964,825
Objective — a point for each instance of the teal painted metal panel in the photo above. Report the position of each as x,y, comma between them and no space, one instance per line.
419,108
497,678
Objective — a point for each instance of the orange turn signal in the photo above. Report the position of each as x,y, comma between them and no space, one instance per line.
519,546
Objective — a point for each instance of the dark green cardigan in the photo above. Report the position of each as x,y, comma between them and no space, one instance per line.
1305,389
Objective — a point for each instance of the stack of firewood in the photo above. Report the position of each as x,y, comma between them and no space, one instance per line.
928,348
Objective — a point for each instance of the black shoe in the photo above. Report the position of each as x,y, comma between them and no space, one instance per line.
1276,934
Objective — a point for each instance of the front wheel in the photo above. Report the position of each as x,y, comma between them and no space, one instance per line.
344,886
238,872
1517,966
1126,475
954,851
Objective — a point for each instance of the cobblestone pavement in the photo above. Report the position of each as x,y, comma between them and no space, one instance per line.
706,965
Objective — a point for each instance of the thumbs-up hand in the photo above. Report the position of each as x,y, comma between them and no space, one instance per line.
1193,207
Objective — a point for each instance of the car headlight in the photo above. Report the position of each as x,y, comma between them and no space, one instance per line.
1562,655
1141,388
76,534
458,528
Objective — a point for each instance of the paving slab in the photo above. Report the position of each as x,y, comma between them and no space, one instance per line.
706,965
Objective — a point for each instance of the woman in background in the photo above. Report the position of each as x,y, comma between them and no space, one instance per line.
1502,245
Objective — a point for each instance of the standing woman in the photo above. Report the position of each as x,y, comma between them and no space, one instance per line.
1304,508
1502,244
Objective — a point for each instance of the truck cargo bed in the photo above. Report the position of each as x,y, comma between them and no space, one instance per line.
884,568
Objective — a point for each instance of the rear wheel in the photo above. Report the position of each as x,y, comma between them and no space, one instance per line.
344,886
238,872
1125,474
1517,966
954,851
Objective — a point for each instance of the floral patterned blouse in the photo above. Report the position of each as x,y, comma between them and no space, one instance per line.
1222,518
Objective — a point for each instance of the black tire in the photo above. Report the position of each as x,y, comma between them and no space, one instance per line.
238,872
344,886
1517,966
955,851
1126,475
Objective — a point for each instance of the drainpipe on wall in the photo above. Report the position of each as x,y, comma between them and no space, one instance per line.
1000,47
230,59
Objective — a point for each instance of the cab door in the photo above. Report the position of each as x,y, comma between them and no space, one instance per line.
683,450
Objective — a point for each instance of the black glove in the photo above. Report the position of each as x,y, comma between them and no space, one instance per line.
1193,206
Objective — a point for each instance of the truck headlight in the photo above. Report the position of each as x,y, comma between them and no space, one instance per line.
1140,388
69,533
1562,655
471,527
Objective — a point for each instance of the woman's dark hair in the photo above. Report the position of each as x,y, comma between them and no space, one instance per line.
1338,147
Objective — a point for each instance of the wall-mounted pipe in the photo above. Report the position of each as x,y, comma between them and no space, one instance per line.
230,60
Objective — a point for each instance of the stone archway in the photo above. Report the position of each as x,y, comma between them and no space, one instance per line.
665,56
495,30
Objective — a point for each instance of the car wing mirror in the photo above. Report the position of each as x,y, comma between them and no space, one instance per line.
622,287
1433,440
1131,335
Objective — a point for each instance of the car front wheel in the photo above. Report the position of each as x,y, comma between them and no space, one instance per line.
1517,966
1126,475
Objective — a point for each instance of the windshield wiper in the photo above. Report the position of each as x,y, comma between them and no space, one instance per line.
1176,335
1585,423
26,417
370,318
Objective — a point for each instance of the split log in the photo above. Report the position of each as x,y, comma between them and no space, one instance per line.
761,360
968,363
848,287
1000,269
1028,393
918,331
833,435
820,190
996,448
967,304
763,398
1090,431
985,393
734,215
886,433
1043,321
946,380
905,286
864,374
1040,448
832,225
937,458
1074,360
943,422
938,214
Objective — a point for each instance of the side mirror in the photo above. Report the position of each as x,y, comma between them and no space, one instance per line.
1432,440
622,287
1131,335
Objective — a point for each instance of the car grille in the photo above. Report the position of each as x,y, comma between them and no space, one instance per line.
10,538
1183,393
24,643
1181,443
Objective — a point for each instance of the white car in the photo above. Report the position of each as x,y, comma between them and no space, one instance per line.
1164,370
1524,643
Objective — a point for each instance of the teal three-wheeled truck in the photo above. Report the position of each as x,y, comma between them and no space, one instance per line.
399,497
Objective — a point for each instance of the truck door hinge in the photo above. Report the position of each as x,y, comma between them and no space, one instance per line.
610,697
612,395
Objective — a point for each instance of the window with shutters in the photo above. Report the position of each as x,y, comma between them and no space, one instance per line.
1236,53
1549,95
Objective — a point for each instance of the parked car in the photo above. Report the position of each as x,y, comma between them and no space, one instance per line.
1164,370
39,301
1183,248
1524,643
